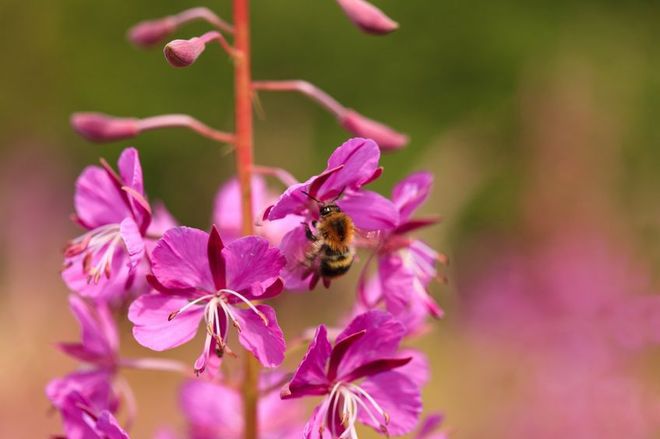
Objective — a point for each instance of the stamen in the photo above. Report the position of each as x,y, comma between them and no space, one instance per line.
248,303
373,402
188,306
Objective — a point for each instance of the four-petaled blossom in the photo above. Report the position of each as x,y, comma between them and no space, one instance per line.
198,278
86,402
102,263
88,395
363,378
406,266
350,167
214,411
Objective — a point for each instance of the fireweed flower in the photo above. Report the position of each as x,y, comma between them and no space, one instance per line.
350,167
99,345
83,420
103,262
406,266
229,219
362,378
198,278
86,402
214,411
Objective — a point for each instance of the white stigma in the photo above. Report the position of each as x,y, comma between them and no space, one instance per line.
216,302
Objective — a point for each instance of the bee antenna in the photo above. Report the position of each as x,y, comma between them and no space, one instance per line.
306,193
339,194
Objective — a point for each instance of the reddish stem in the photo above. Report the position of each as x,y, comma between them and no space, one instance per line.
244,160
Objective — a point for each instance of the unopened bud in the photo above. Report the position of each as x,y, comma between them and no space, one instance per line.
361,126
182,53
99,127
368,17
151,32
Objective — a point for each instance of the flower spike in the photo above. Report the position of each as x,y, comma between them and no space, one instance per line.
149,33
99,127
355,123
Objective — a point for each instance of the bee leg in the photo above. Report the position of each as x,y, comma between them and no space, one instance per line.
313,281
326,282
308,233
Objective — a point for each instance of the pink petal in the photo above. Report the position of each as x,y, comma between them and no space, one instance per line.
370,211
359,158
92,335
227,216
368,17
251,260
399,396
98,201
310,378
412,191
212,408
180,260
216,260
161,221
108,426
112,289
130,169
94,385
429,427
292,201
152,328
265,342
313,428
294,247
130,234
382,338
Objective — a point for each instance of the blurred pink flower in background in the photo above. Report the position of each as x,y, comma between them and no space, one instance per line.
575,312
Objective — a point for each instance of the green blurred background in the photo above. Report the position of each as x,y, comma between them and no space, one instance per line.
468,81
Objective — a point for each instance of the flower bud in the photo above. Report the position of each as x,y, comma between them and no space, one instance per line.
99,127
182,53
151,32
368,17
361,126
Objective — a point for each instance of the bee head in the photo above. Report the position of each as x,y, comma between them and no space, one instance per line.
328,209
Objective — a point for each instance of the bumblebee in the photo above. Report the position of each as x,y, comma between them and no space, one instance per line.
332,242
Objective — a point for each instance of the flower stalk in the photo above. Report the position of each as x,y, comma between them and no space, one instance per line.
244,162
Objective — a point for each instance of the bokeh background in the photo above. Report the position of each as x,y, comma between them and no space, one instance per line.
539,119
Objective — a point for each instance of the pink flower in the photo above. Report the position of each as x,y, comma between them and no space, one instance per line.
86,402
362,378
198,278
215,411
350,167
102,263
405,266
93,386
99,344
229,219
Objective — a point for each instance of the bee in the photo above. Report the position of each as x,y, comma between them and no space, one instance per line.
332,253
